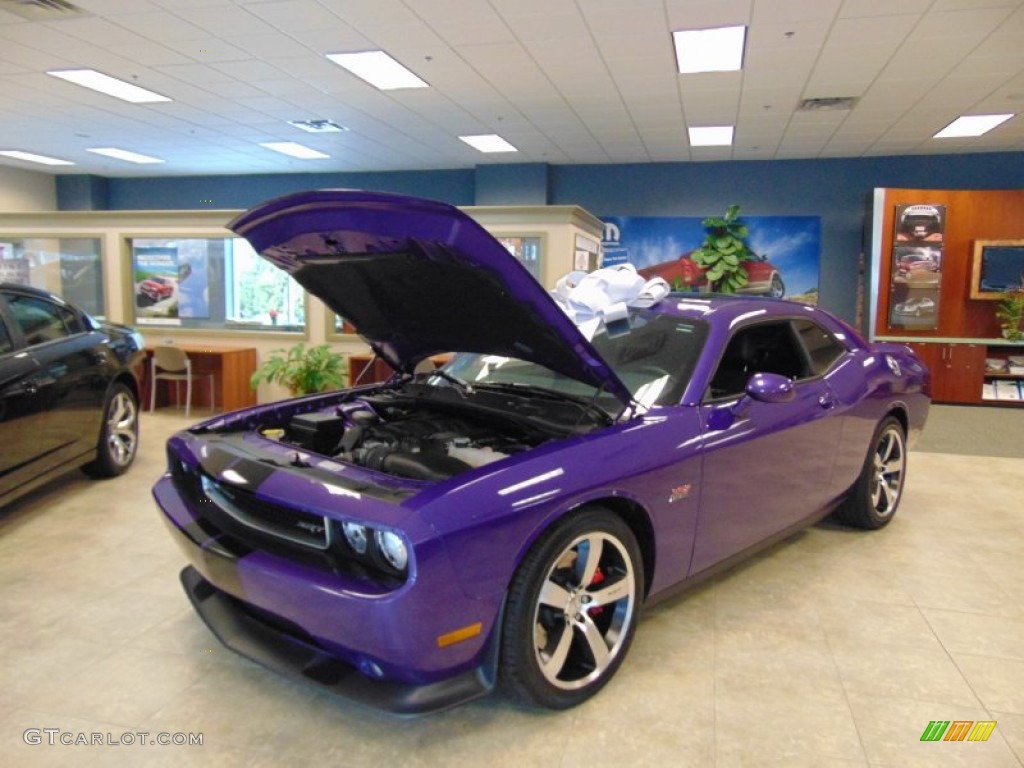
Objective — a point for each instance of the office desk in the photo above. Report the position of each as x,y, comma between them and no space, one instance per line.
232,367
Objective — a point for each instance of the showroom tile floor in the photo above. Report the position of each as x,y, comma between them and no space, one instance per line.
834,648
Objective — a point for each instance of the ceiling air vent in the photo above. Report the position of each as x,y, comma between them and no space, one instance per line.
829,104
41,10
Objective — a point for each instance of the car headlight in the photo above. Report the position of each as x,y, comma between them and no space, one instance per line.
393,549
355,535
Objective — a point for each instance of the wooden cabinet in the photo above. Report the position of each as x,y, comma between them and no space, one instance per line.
958,370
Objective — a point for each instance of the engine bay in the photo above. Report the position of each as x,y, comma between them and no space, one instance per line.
405,439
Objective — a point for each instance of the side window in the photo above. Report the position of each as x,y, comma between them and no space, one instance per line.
762,348
5,339
41,321
823,349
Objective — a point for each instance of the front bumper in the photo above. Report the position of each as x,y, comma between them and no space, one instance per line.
244,633
381,646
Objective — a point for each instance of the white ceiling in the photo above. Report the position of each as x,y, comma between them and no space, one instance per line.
565,81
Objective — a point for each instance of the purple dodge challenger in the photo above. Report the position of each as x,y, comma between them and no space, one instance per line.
500,522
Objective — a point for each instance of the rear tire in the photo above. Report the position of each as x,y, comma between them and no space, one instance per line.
119,434
572,610
876,495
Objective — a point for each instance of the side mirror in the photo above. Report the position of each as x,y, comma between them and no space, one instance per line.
770,388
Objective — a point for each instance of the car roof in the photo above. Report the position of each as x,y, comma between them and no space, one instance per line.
728,310
31,291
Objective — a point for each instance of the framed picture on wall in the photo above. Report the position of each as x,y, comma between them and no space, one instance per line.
920,223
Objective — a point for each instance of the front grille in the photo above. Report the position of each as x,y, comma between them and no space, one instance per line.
243,506
236,518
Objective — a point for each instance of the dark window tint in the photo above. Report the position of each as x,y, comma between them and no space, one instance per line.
763,348
40,320
823,349
5,339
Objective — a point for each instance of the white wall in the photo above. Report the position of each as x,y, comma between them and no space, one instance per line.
22,190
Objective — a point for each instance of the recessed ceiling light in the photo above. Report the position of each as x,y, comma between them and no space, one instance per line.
971,125
489,142
294,150
378,69
709,50
711,136
31,158
318,126
97,81
124,154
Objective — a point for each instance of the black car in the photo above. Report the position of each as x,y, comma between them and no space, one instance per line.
68,392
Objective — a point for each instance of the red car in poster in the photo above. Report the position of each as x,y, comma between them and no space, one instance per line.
763,278
157,288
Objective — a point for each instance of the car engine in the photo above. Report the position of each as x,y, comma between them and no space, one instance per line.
411,443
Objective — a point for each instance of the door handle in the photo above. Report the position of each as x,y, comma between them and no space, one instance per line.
826,401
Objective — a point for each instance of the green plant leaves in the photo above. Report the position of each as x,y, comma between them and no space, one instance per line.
723,252
302,370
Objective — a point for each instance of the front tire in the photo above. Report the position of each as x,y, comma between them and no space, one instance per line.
875,496
119,434
777,289
572,610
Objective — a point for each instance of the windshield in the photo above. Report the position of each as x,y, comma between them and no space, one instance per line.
654,358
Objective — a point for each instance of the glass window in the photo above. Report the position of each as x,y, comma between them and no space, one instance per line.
526,250
71,267
822,348
761,348
5,339
41,321
654,359
216,283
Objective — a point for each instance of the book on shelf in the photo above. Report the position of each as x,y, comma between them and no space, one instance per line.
1008,389
988,391
996,365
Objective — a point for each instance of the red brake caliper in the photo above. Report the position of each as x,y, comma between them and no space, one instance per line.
598,578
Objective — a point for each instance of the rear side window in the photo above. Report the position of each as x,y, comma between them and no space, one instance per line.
41,321
823,349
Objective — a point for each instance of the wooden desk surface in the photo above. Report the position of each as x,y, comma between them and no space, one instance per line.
232,367
212,349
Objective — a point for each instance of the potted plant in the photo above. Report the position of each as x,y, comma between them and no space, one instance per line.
1010,312
723,252
303,371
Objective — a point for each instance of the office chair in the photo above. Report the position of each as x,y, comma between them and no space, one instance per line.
172,364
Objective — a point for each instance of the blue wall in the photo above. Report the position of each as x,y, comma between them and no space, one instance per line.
836,190
206,192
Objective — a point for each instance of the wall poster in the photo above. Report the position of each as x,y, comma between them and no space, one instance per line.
788,252
917,266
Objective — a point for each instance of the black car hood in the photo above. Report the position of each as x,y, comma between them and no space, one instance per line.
416,278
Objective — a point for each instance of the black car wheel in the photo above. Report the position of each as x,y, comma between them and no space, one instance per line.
119,434
572,610
875,496
777,289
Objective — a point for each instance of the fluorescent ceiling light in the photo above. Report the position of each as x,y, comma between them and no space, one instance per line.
709,50
971,125
90,78
29,157
294,150
490,142
124,154
378,69
711,136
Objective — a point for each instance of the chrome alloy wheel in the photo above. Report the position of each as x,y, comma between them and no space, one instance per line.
889,467
584,610
122,429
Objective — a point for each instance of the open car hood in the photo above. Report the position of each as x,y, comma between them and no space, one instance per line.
417,278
